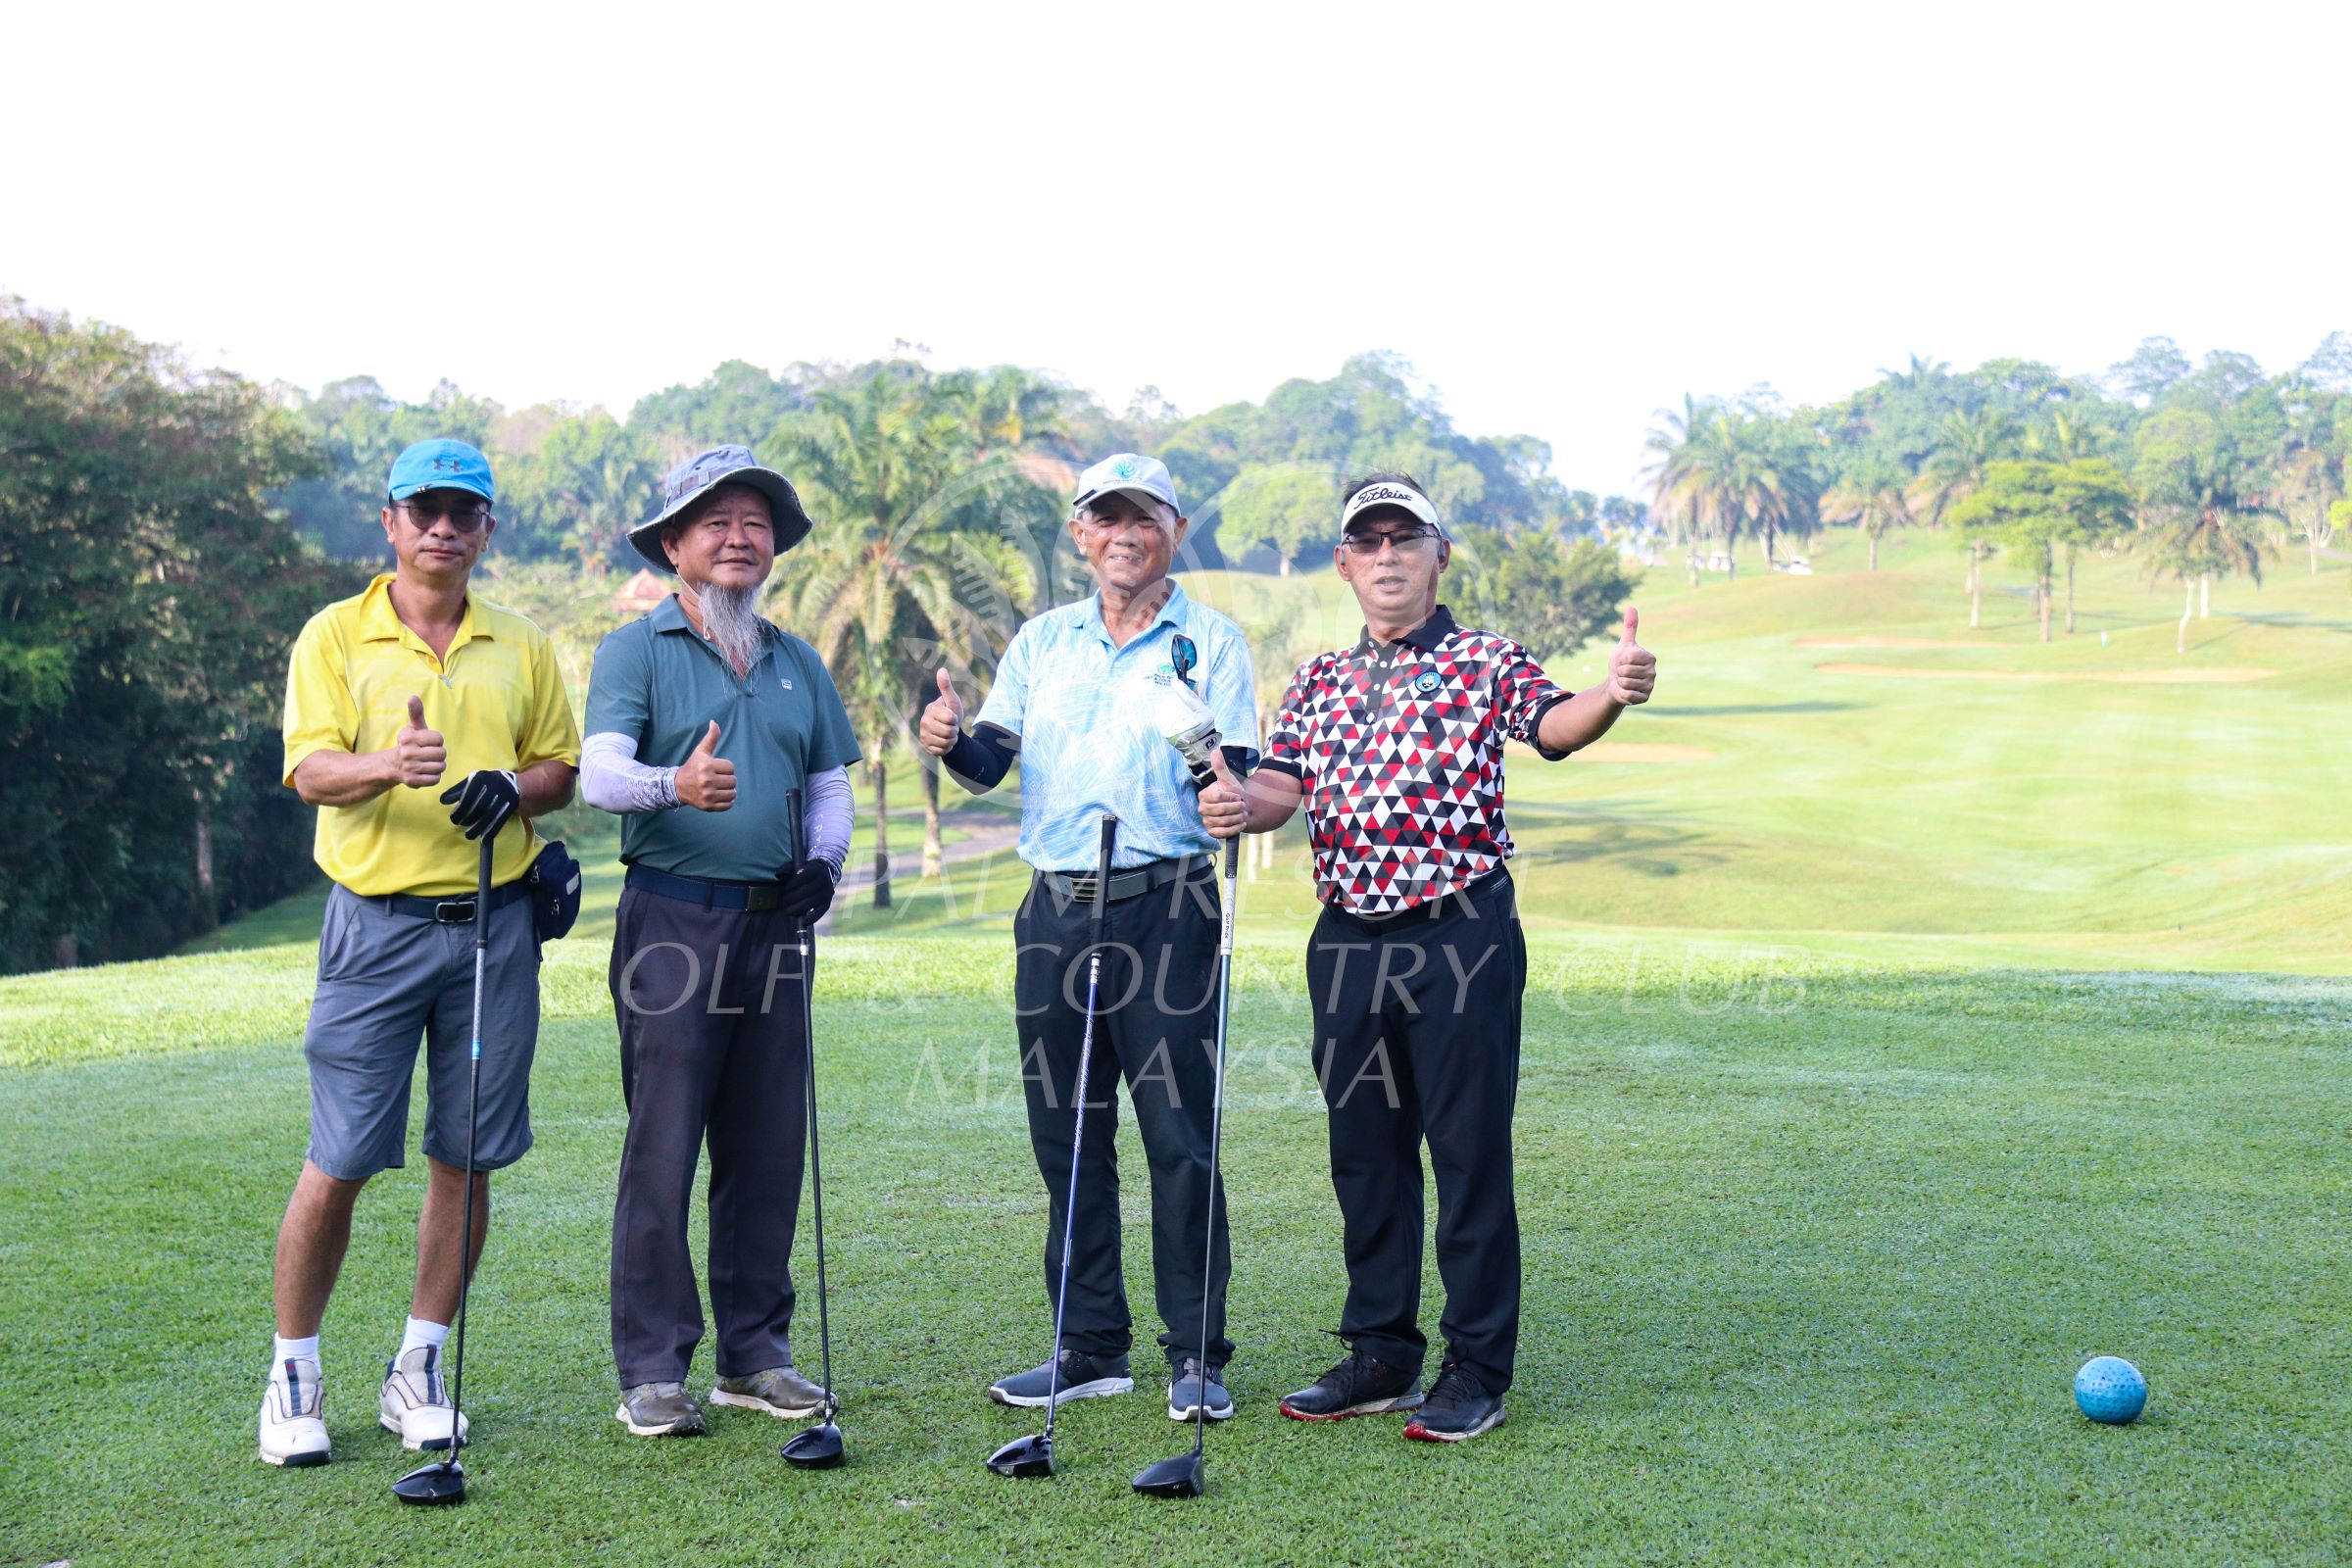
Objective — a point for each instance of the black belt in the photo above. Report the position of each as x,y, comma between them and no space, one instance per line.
1080,889
751,897
457,909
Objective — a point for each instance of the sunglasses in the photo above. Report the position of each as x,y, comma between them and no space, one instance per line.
464,516
1404,539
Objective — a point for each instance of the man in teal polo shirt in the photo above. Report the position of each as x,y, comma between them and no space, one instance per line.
702,715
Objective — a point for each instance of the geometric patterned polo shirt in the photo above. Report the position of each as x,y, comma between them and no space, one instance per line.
1398,750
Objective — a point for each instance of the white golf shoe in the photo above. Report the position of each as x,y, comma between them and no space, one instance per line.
293,1429
416,1401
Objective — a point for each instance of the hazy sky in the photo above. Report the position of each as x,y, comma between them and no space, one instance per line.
1563,223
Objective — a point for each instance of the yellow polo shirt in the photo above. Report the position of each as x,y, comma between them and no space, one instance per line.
497,698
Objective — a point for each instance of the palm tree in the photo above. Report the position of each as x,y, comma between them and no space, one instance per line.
1955,470
909,577
2067,440
1917,375
1872,497
1715,470
2307,486
1005,407
2201,505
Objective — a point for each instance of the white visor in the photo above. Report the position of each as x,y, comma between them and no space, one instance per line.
1384,494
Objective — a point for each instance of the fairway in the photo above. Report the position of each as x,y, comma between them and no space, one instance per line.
1855,1116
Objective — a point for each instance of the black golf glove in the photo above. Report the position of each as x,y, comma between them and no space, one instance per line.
483,800
808,892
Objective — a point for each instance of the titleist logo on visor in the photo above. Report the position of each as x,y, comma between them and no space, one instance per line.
1386,492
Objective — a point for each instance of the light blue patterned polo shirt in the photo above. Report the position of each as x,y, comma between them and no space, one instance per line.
1086,713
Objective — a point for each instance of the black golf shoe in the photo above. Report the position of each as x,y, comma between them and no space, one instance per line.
1082,1377
1458,1406
1361,1385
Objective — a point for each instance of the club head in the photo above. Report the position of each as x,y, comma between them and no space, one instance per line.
442,1481
1025,1457
816,1447
1181,1476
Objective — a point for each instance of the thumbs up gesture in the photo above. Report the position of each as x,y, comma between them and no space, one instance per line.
417,755
943,719
706,780
1224,812
1632,668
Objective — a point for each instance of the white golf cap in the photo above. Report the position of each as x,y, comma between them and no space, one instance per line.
1385,493
1146,478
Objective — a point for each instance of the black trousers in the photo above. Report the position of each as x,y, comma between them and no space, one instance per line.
1156,1027
1417,1036
710,1005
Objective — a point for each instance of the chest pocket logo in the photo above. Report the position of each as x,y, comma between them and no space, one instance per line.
1426,682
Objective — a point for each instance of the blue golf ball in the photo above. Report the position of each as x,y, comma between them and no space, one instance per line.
2110,1391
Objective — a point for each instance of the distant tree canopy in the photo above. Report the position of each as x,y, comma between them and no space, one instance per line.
570,479
1549,594
164,532
148,594
2200,469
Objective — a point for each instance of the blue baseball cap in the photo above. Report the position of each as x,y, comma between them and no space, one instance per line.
440,465
1144,477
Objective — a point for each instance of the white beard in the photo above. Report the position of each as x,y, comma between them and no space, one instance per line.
731,621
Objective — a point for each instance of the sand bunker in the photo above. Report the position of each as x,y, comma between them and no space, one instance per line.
1898,642
2212,675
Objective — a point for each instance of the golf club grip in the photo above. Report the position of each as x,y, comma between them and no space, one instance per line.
1111,834
792,829
1233,856
481,899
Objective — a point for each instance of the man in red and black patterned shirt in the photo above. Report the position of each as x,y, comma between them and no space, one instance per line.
1417,963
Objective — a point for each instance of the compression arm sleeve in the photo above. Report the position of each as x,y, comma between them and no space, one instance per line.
832,811
981,759
611,779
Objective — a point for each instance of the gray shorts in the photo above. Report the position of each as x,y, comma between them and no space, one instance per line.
384,980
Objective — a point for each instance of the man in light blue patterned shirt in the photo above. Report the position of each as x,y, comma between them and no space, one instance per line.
1079,698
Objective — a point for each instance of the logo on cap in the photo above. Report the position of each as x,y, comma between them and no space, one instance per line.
1124,470
450,463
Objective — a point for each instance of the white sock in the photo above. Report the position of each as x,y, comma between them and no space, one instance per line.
420,1332
293,1351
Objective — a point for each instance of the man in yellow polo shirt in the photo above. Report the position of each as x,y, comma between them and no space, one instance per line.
418,719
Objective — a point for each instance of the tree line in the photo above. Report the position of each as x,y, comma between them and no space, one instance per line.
166,530
2203,471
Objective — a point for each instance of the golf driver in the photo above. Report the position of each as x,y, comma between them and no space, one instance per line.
817,1447
444,1480
1034,1455
1184,1476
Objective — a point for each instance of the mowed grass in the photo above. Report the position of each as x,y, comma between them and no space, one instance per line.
1931,806
1812,1253
1895,1044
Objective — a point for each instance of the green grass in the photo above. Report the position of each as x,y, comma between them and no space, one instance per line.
1812,1252
1919,1040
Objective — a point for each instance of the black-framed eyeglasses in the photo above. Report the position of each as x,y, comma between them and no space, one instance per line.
466,517
1368,544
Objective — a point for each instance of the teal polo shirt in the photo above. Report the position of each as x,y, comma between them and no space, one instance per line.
658,680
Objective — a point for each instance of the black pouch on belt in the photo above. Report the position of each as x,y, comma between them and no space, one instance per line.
555,879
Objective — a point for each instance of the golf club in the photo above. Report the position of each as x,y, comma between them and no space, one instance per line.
444,1480
1185,1475
817,1447
1034,1455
